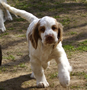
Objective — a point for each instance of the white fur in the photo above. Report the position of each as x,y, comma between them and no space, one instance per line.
2,18
41,56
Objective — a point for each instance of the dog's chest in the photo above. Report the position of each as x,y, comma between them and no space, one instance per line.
41,53
45,53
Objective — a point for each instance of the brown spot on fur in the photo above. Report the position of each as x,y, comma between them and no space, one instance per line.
41,29
34,36
59,31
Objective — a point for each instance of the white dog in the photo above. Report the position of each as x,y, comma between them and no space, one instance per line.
4,15
44,38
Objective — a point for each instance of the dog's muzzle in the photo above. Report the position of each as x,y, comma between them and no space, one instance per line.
49,39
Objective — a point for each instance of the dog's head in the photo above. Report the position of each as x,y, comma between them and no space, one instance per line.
48,30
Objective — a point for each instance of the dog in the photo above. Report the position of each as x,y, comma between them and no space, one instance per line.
44,38
4,15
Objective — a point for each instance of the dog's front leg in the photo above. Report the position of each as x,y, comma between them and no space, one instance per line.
39,74
64,69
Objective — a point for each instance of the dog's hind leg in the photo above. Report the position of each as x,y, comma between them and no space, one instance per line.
2,27
7,15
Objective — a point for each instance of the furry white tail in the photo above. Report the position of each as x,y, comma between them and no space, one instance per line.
25,15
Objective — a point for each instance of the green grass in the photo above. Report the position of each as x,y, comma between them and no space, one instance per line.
78,73
10,57
11,28
22,65
52,85
81,46
69,48
53,75
4,34
19,54
66,21
19,19
2,69
57,17
23,35
73,33
81,1
75,87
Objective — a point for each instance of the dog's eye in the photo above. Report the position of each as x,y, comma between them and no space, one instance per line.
54,27
42,29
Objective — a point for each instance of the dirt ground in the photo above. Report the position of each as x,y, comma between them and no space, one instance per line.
15,70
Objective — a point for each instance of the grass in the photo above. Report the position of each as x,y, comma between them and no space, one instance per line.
10,57
73,33
53,75
23,35
81,1
2,69
22,65
19,54
66,21
11,28
19,19
81,46
13,68
4,34
57,16
75,87
78,74
52,85
69,48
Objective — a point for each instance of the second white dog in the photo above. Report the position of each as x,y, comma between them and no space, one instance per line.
45,43
4,15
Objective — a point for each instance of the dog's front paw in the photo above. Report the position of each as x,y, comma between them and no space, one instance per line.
3,28
43,84
64,78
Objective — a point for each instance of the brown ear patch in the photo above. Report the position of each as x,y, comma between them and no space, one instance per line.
34,36
60,32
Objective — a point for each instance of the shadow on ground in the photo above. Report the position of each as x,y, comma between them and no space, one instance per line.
16,83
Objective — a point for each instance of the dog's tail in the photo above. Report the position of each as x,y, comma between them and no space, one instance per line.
25,15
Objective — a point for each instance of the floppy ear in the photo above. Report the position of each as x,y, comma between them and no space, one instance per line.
60,32
34,36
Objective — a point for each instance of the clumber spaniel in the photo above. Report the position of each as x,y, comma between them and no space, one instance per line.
44,38
4,15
